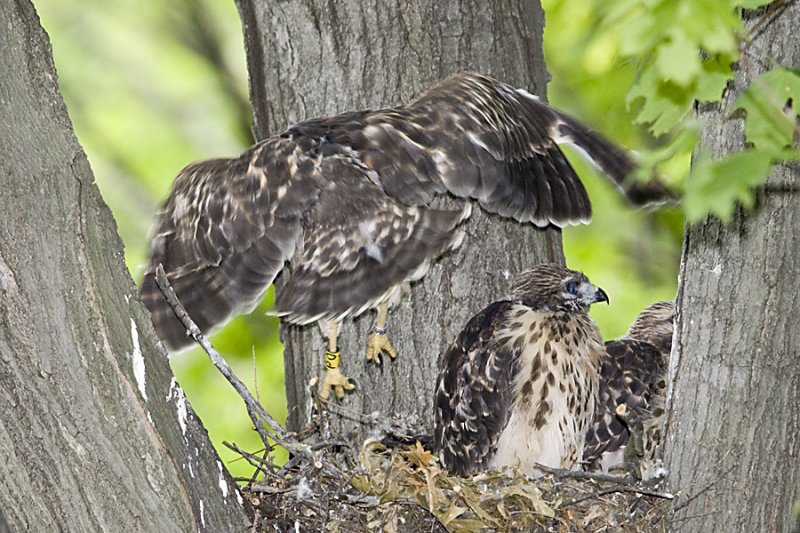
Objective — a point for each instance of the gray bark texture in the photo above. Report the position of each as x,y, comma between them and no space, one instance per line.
81,446
311,58
733,429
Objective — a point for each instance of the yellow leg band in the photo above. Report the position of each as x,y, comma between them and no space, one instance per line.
331,360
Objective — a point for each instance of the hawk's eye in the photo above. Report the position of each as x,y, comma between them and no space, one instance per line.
571,287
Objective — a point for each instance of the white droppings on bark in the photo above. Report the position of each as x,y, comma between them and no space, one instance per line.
223,485
138,361
717,271
176,392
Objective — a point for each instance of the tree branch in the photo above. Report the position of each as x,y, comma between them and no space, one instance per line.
622,484
257,413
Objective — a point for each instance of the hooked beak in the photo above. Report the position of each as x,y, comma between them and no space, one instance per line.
591,294
600,296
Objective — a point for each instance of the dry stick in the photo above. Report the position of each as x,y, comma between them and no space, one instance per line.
257,463
254,409
689,499
624,484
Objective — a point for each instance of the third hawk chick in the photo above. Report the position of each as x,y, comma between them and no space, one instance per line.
633,380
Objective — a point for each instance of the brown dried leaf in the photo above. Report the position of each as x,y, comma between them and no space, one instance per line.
453,512
532,494
419,455
466,526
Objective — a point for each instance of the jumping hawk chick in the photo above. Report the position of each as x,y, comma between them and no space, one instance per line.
345,199
519,384
632,392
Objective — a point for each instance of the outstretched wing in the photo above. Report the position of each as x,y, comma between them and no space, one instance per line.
474,393
223,235
632,374
476,137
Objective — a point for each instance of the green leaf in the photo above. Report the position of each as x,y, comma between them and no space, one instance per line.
771,123
679,60
636,24
715,187
671,160
663,104
719,26
714,79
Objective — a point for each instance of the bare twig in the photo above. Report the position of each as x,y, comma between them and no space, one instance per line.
705,488
254,409
623,484
255,374
349,414
591,495
261,464
592,476
289,465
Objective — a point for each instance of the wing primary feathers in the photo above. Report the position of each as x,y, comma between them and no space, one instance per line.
612,161
346,200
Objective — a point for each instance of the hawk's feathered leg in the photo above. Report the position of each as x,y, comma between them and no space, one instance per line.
333,377
378,340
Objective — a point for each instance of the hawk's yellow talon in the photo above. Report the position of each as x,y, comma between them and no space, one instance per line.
334,379
376,345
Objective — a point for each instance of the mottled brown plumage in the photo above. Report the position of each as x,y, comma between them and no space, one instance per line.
519,384
632,390
344,199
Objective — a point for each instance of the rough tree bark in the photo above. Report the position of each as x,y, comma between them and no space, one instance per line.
312,57
94,434
734,419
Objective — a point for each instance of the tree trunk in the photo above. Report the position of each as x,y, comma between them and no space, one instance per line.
310,58
734,416
94,433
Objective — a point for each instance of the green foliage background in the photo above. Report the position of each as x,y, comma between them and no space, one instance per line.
152,86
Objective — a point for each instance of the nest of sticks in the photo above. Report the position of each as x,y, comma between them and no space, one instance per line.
391,487
394,483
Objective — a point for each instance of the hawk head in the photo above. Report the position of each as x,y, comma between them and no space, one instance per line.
655,325
555,288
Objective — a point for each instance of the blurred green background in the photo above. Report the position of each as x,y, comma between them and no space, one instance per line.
152,86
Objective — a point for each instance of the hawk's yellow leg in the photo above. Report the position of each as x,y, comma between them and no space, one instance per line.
333,377
378,341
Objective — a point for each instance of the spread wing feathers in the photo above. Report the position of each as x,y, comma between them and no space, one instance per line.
476,137
474,393
353,190
632,374
610,160
220,243
359,244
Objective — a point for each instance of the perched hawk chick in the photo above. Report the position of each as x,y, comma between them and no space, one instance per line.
632,393
345,200
519,384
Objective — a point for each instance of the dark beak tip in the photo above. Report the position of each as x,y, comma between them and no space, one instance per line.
601,296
